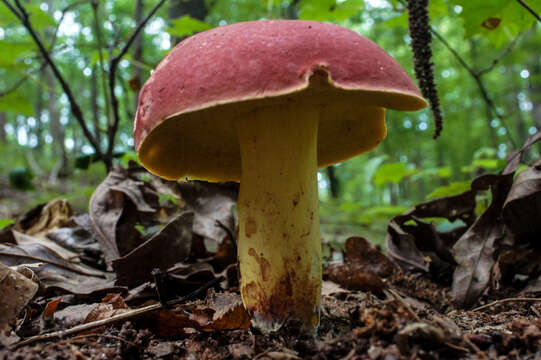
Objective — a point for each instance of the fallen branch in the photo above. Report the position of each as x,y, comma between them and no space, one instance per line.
129,315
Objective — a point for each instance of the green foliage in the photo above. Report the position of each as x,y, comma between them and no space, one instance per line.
128,157
16,102
11,51
329,10
187,25
454,188
5,222
391,172
473,141
497,20
21,178
39,18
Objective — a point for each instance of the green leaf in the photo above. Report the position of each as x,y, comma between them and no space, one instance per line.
451,189
5,222
17,103
7,17
186,26
329,10
11,51
497,20
398,21
489,164
39,18
393,172
385,211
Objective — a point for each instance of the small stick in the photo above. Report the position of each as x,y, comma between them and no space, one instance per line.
404,303
502,301
117,318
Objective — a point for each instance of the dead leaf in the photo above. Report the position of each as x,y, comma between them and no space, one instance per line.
353,277
515,157
45,217
169,246
213,205
57,274
491,23
116,300
416,245
474,251
116,206
73,315
219,311
16,291
362,253
227,313
523,204
50,308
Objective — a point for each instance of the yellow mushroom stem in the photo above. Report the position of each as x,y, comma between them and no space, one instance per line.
279,244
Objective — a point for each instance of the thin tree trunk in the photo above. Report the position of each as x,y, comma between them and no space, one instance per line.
136,79
334,183
55,127
94,93
3,121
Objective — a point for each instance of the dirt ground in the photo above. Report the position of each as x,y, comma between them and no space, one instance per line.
421,324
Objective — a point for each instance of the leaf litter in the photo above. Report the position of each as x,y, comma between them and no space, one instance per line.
138,248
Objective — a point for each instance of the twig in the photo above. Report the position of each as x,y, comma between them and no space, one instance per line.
477,77
117,318
113,65
19,82
64,11
530,10
404,303
503,301
497,59
23,16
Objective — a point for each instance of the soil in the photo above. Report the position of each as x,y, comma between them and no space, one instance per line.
420,323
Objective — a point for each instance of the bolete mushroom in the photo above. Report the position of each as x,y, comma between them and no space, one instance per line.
266,103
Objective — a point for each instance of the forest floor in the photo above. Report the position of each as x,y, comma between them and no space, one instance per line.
96,270
354,325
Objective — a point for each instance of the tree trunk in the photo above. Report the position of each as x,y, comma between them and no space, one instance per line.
3,121
55,127
136,78
334,183
94,94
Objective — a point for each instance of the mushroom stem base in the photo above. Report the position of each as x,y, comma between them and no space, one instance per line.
279,244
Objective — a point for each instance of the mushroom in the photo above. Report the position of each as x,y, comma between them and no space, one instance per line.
266,103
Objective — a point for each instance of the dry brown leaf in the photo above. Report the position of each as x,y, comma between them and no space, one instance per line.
45,217
220,311
50,308
354,277
16,290
474,251
169,246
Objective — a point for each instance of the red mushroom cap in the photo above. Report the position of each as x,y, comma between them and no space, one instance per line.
188,105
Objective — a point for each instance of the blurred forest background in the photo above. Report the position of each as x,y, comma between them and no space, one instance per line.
62,126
